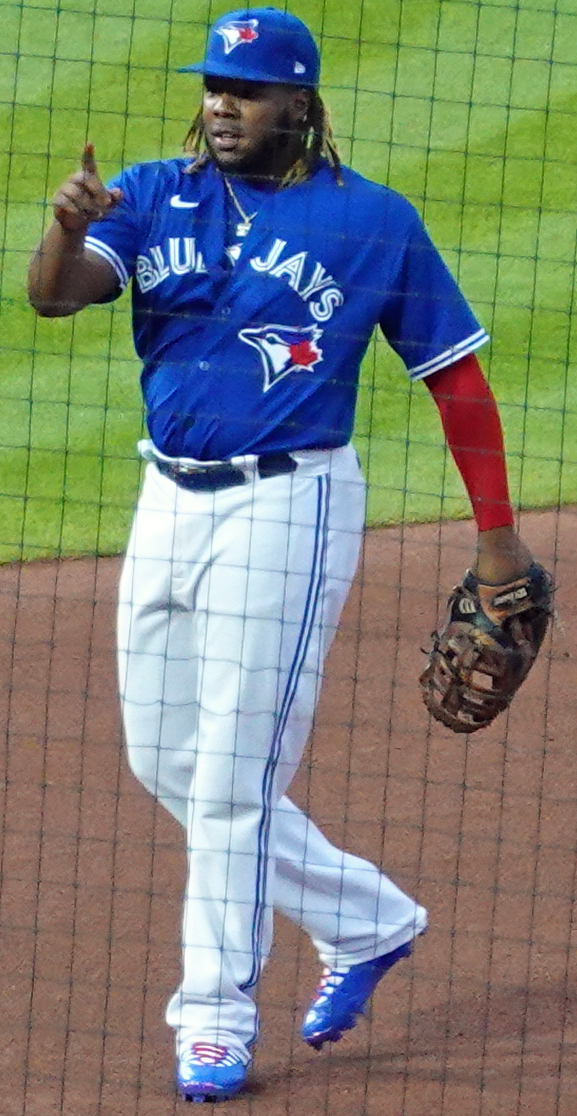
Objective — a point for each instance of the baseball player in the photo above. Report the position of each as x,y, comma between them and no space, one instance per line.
259,268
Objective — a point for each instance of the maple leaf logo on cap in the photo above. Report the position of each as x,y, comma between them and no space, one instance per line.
237,32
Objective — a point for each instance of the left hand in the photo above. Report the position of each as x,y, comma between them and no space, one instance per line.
486,647
502,556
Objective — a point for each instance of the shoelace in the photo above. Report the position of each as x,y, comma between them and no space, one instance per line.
330,979
207,1054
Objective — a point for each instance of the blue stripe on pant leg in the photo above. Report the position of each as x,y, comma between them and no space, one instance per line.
307,625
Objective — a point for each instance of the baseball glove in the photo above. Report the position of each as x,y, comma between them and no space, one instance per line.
487,645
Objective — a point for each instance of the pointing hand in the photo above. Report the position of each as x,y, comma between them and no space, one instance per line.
83,197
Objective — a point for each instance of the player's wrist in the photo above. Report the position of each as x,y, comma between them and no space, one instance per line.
502,556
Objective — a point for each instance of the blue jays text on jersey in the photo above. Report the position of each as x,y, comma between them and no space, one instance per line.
257,348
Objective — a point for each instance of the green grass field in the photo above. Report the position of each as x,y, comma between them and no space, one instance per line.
469,109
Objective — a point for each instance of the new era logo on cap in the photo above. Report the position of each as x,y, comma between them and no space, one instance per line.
237,32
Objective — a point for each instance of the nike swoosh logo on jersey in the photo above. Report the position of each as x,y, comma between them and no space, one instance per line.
176,203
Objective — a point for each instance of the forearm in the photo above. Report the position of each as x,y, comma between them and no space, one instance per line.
474,435
473,431
63,276
59,275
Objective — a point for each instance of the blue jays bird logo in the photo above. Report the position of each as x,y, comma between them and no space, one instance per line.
283,349
238,31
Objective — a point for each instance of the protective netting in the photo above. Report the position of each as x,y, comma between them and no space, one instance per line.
469,110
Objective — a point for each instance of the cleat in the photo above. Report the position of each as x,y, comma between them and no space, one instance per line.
210,1073
342,996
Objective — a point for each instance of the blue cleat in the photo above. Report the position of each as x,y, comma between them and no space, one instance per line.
342,995
207,1072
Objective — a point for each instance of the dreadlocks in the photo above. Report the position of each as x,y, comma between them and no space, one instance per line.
318,142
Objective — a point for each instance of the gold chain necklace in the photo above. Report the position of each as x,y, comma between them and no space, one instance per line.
243,228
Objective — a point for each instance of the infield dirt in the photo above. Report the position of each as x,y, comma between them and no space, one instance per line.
481,1021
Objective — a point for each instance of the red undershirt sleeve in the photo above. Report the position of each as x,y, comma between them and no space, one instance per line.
474,435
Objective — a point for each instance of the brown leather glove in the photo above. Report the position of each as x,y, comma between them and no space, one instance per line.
486,648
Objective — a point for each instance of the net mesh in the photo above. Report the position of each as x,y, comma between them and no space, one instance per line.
469,110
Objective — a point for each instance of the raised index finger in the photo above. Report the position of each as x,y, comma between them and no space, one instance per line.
88,161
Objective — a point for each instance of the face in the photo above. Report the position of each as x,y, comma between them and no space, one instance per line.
248,125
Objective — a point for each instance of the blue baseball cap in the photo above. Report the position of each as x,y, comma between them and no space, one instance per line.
260,44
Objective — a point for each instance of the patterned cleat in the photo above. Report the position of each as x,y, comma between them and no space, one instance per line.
342,995
210,1073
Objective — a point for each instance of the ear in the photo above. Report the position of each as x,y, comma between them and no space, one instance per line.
299,106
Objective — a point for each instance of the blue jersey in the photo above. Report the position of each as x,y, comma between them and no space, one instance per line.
254,346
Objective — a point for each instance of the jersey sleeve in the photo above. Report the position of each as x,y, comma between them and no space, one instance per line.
116,236
425,318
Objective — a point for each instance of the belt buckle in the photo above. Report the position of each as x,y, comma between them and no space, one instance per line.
209,477
188,470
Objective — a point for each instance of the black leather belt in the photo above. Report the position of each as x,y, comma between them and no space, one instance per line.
211,478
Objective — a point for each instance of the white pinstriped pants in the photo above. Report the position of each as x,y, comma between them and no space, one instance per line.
228,605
